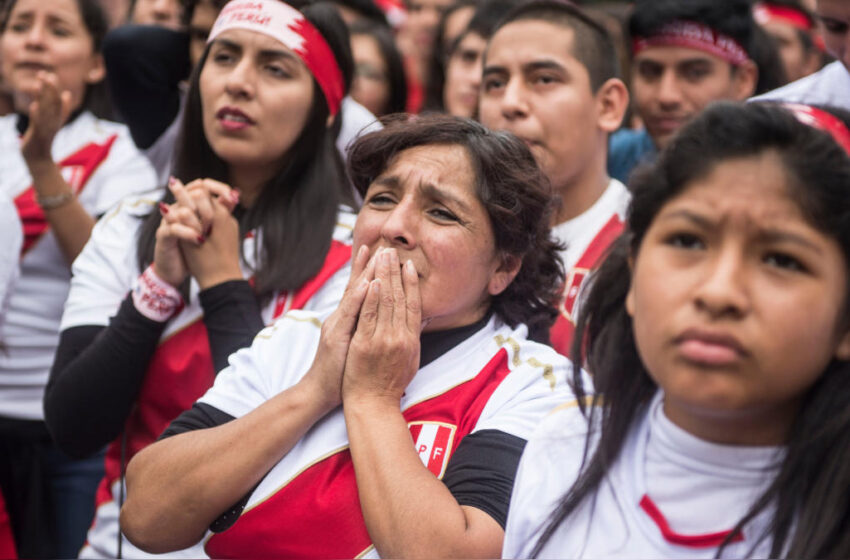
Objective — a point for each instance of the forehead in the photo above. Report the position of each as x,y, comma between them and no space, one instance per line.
66,10
532,40
447,166
248,39
835,9
675,55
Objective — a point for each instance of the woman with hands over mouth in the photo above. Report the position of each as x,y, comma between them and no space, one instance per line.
428,354
252,225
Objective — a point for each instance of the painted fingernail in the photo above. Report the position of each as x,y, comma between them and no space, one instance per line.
163,208
201,239
234,195
172,181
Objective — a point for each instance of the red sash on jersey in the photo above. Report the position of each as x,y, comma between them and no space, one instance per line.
562,331
81,164
181,371
7,540
317,514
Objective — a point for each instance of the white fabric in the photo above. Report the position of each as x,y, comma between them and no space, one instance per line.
356,120
580,231
828,86
699,487
31,330
11,235
281,355
104,273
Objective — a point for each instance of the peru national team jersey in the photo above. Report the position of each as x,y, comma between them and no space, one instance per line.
100,162
181,369
667,495
587,238
308,505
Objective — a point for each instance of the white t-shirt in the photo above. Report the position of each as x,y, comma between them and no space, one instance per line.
587,237
496,379
828,86
701,490
10,252
31,331
180,370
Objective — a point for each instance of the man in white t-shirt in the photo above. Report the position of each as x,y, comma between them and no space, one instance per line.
550,77
831,85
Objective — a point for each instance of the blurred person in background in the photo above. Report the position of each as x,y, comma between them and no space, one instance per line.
791,26
379,81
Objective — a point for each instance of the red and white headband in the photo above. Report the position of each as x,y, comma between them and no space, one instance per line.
822,120
289,26
697,36
765,12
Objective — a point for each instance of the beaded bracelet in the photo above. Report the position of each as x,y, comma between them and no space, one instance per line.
55,201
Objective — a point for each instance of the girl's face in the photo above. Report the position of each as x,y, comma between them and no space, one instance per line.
48,36
463,76
371,86
256,96
737,303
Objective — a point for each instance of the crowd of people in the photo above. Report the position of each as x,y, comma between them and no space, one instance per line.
470,278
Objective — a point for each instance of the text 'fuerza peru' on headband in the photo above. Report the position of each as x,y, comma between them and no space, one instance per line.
289,26
697,36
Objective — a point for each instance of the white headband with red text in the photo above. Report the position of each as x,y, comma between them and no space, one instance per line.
289,26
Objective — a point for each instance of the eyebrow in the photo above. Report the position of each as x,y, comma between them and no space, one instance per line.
266,53
769,235
527,67
430,190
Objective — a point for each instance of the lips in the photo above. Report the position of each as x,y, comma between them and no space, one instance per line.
710,348
233,118
34,66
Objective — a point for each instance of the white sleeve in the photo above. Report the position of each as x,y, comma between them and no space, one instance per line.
528,393
105,270
125,172
277,359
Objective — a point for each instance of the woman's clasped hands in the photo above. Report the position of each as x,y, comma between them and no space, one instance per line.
369,347
198,235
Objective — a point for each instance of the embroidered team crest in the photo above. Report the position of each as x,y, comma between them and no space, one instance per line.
575,283
433,442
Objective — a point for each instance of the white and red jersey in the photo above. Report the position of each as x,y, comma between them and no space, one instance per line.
10,250
587,237
667,495
102,165
181,369
308,505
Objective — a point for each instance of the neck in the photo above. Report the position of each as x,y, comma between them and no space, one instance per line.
580,193
250,181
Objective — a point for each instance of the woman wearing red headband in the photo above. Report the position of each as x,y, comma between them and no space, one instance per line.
252,226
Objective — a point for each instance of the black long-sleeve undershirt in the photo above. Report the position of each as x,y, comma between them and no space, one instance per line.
145,65
98,371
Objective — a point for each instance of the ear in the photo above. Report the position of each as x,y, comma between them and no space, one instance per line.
745,80
842,351
504,274
612,100
630,295
97,71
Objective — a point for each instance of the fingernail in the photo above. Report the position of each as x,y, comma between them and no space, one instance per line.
201,239
234,195
171,181
163,208
364,284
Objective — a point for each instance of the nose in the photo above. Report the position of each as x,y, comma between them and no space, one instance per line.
36,35
514,101
399,227
723,290
164,10
669,92
241,80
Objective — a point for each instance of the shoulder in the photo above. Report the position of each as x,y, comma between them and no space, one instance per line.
829,84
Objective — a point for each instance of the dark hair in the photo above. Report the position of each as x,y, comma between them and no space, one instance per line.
809,492
592,45
514,191
297,208
392,58
765,53
190,5
366,9
439,57
96,98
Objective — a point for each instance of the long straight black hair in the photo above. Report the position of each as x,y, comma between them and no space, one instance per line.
297,208
810,493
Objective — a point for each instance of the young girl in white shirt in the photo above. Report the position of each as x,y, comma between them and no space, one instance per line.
718,334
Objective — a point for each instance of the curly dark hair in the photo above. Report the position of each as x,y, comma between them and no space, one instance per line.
514,191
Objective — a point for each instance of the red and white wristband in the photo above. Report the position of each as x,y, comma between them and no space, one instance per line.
155,298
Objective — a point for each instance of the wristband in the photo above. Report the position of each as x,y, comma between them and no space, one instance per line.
155,298
55,201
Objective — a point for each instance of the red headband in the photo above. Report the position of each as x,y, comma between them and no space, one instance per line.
822,120
765,12
289,26
694,35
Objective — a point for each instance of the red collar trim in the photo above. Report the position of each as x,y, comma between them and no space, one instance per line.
707,540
